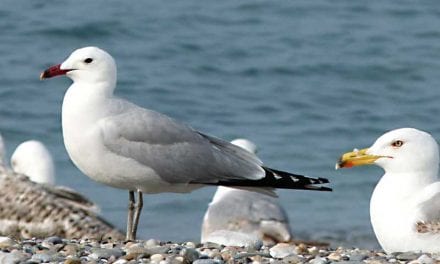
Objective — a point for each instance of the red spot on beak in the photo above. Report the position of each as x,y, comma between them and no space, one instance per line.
52,72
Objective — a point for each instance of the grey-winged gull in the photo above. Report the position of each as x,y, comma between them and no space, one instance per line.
241,218
120,144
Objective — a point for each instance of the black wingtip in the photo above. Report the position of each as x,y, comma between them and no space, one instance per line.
281,180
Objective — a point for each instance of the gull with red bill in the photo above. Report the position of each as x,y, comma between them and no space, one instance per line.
405,204
120,144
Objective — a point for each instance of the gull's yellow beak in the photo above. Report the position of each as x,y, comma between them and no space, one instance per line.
356,158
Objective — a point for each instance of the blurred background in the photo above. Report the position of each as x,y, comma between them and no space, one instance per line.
305,80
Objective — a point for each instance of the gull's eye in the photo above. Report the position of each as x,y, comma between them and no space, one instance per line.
88,60
397,143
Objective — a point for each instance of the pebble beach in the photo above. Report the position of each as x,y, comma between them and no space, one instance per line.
58,250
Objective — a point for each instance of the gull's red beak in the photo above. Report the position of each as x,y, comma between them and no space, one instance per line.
52,72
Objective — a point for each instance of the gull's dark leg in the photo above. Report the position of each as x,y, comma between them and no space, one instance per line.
137,213
129,235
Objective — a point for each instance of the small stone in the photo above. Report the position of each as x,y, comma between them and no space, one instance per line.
301,249
334,256
13,257
54,240
319,260
293,259
70,249
178,259
190,245
313,251
206,261
282,250
407,256
72,261
120,261
157,257
6,242
425,259
358,257
151,243
189,254
44,257
138,250
159,250
105,253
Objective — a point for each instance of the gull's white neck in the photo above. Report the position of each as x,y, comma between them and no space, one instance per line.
392,208
84,105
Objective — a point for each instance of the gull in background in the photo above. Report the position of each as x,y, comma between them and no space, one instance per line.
405,205
29,209
238,217
120,144
34,160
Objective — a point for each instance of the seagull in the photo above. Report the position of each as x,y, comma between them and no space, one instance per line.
34,160
405,205
120,144
29,209
238,217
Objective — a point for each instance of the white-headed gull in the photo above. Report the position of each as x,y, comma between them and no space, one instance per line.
405,205
118,143
34,160
240,217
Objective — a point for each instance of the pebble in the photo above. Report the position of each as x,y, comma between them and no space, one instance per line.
157,257
6,242
425,259
407,256
189,254
282,250
105,253
319,260
58,250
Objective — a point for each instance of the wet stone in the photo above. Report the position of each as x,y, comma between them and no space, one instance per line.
406,256
189,254
105,253
319,260
293,259
282,250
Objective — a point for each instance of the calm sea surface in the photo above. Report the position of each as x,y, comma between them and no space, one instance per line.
305,80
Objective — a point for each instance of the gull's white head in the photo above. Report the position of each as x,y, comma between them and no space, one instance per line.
32,159
86,65
400,150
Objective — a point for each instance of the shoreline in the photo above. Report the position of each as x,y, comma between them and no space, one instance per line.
58,250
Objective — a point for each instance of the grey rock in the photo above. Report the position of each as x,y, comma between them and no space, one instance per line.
54,240
407,256
357,257
207,261
189,254
349,262
45,257
319,260
105,253
13,257
293,259
425,259
159,250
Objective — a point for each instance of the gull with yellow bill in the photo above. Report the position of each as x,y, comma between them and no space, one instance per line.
405,205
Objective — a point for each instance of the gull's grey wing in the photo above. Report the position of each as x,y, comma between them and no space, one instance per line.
247,212
176,152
